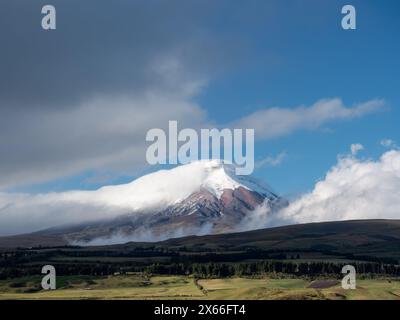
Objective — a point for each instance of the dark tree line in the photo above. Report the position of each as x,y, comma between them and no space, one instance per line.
179,262
207,270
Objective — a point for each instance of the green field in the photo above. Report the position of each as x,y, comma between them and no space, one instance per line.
139,286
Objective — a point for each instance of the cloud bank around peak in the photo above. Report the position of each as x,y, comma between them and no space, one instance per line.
352,189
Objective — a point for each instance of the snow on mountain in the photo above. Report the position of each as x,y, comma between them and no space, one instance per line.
167,187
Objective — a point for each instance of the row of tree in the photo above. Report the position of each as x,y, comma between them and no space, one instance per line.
208,270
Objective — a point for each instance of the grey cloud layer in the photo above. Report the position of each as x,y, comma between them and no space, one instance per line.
82,97
111,47
104,132
98,47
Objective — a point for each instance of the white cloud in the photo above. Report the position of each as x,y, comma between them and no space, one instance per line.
275,122
271,161
257,219
389,143
352,189
22,213
355,148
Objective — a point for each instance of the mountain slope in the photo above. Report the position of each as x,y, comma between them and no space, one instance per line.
372,238
364,240
335,234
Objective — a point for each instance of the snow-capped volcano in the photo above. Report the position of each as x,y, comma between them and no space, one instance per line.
198,198
167,187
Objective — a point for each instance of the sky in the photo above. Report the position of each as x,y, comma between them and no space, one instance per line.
76,102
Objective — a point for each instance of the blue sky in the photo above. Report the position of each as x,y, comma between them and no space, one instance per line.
272,54
314,58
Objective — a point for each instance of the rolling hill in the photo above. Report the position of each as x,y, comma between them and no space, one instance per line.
377,238
373,238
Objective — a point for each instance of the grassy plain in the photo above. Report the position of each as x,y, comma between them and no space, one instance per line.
139,286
